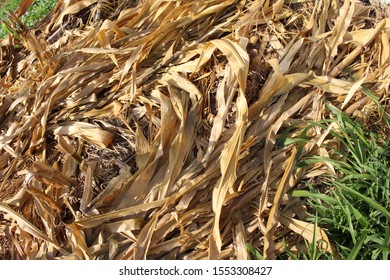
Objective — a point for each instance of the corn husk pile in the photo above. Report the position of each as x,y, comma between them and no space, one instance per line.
149,129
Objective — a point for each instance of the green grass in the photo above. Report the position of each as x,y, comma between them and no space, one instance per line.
256,255
38,10
355,206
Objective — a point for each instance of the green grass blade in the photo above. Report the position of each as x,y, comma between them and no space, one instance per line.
323,197
355,250
368,200
254,252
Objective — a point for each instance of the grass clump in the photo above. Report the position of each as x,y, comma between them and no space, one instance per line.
38,10
355,204
4,8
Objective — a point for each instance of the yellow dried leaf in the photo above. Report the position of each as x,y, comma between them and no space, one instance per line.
89,132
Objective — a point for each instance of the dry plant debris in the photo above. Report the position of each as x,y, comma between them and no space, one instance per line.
147,129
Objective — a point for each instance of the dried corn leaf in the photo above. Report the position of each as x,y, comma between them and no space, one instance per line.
184,109
87,132
307,230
